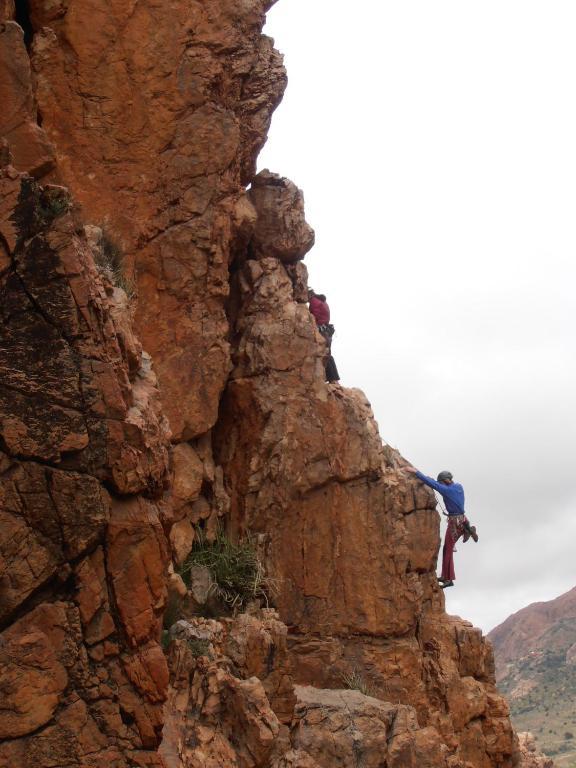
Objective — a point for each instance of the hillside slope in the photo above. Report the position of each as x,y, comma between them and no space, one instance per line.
535,652
549,625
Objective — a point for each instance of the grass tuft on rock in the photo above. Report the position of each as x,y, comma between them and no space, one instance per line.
199,647
111,260
355,681
237,573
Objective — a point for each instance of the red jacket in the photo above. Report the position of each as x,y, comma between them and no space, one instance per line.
320,310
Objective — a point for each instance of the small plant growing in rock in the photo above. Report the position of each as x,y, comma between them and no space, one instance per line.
111,260
42,205
355,681
51,208
199,647
237,573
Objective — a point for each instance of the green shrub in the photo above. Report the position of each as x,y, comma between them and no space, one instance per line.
199,647
55,206
237,573
48,209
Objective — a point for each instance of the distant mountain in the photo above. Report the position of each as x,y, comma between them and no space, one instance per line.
535,652
547,626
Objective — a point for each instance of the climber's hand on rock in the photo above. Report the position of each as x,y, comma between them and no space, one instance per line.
410,469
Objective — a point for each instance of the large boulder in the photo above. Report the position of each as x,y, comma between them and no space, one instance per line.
281,229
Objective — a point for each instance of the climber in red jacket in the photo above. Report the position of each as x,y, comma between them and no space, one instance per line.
319,308
321,313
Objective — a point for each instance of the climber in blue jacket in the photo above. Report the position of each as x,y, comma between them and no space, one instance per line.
458,525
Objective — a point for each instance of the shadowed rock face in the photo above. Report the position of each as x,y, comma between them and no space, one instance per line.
83,453
153,117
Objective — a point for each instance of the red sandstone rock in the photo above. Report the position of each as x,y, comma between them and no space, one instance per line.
136,554
30,148
156,135
69,386
281,230
188,476
154,121
75,411
235,725
305,460
29,657
48,517
351,541
258,646
7,10
181,540
344,728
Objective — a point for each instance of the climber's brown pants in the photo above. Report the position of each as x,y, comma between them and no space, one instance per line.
455,529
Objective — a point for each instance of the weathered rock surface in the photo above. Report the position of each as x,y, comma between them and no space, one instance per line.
30,147
82,551
530,755
239,690
158,116
281,229
7,10
346,728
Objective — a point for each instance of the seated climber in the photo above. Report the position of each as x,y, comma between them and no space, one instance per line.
458,525
321,313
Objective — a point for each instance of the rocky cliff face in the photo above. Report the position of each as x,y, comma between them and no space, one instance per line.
84,454
131,133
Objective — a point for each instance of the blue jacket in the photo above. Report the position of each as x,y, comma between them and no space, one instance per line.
453,494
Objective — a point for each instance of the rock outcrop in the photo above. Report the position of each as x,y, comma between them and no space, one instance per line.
130,246
83,456
158,114
351,542
531,757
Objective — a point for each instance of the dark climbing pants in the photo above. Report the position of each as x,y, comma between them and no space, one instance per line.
455,529
331,370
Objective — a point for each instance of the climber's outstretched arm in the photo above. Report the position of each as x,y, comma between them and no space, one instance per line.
440,487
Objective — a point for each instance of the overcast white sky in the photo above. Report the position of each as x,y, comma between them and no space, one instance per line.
436,146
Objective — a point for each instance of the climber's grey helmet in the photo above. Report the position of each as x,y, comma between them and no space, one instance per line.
444,477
